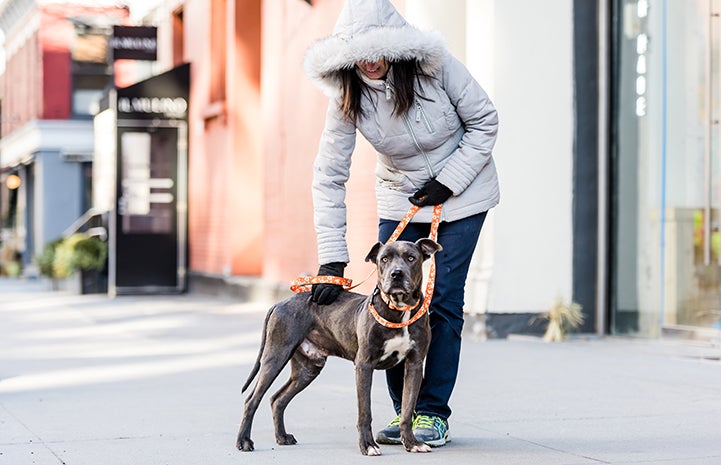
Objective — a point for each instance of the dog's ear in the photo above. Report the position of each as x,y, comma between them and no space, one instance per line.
373,254
428,247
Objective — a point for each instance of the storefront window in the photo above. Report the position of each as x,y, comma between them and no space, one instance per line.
90,69
666,167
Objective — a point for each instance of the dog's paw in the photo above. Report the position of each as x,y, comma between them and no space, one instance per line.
419,448
287,440
245,444
367,445
372,450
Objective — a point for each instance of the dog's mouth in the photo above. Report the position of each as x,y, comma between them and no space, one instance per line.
398,285
400,300
398,291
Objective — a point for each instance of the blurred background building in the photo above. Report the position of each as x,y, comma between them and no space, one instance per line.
608,150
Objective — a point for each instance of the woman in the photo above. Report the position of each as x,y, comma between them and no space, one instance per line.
434,128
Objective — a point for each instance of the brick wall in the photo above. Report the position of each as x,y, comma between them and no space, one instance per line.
294,112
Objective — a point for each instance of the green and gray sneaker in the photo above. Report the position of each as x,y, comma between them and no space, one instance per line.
431,430
391,434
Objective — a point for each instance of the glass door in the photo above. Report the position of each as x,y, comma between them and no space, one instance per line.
666,178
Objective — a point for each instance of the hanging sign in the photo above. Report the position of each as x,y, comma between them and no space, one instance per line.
135,43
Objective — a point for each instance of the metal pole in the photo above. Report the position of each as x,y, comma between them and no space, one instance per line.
603,168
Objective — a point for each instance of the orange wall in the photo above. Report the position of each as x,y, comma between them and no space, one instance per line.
225,202
250,208
244,117
294,111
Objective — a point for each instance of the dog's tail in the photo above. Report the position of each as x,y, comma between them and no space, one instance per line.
256,367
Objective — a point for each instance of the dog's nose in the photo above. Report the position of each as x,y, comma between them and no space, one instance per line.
396,274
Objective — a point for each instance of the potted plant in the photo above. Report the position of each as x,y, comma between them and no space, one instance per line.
78,256
90,255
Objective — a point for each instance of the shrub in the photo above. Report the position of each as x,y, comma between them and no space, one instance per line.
62,257
45,260
9,261
90,253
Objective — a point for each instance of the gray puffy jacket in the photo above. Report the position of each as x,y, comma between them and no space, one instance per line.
448,134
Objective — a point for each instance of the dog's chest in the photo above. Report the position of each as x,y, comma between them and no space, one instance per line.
397,346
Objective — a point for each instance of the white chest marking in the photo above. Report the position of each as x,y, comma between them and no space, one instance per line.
400,344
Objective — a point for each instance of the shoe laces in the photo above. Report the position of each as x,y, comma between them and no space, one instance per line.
428,422
396,421
424,421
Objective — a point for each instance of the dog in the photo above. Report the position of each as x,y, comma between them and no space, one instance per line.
304,333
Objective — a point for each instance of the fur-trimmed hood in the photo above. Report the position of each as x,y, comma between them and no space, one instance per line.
368,30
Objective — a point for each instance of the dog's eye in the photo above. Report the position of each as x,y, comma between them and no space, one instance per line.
384,259
411,258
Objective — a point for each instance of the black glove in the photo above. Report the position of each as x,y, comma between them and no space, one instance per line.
432,193
325,294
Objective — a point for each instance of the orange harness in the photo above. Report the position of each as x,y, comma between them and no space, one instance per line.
305,283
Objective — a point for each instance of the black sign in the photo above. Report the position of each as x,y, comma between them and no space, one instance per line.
164,96
135,43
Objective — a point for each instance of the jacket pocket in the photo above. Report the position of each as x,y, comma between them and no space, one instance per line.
422,117
395,180
452,120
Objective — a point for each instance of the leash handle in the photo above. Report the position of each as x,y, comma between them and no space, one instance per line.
305,283
404,222
435,221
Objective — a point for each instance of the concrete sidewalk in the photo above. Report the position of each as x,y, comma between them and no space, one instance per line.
88,380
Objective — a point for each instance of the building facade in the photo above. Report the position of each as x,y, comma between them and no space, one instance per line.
607,152
54,66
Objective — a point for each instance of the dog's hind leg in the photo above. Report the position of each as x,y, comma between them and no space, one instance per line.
269,371
283,335
306,365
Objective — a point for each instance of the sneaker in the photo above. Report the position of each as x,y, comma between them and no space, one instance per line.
391,434
431,430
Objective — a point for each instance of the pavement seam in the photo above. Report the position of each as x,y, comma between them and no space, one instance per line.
555,449
40,440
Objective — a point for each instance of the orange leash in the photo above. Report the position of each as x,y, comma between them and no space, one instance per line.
305,283
430,285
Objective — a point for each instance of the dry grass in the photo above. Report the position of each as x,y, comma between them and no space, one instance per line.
562,318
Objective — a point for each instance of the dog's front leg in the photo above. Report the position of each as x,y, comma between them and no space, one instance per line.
413,374
364,380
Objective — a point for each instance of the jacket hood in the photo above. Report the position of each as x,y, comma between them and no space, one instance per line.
368,30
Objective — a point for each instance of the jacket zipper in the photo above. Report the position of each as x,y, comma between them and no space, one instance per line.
421,115
418,146
406,119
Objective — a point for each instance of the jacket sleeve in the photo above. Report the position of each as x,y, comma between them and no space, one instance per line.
480,120
331,170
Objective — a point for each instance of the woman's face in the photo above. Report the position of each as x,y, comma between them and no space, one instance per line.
373,69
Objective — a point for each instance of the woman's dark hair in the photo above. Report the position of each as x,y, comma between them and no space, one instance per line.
405,74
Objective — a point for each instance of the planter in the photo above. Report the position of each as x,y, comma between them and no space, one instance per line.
93,282
83,282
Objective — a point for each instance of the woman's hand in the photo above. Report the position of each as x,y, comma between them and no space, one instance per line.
326,294
432,193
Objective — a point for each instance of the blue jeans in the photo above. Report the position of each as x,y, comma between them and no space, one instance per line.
458,239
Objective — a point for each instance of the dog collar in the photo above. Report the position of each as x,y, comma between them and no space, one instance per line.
391,305
389,324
